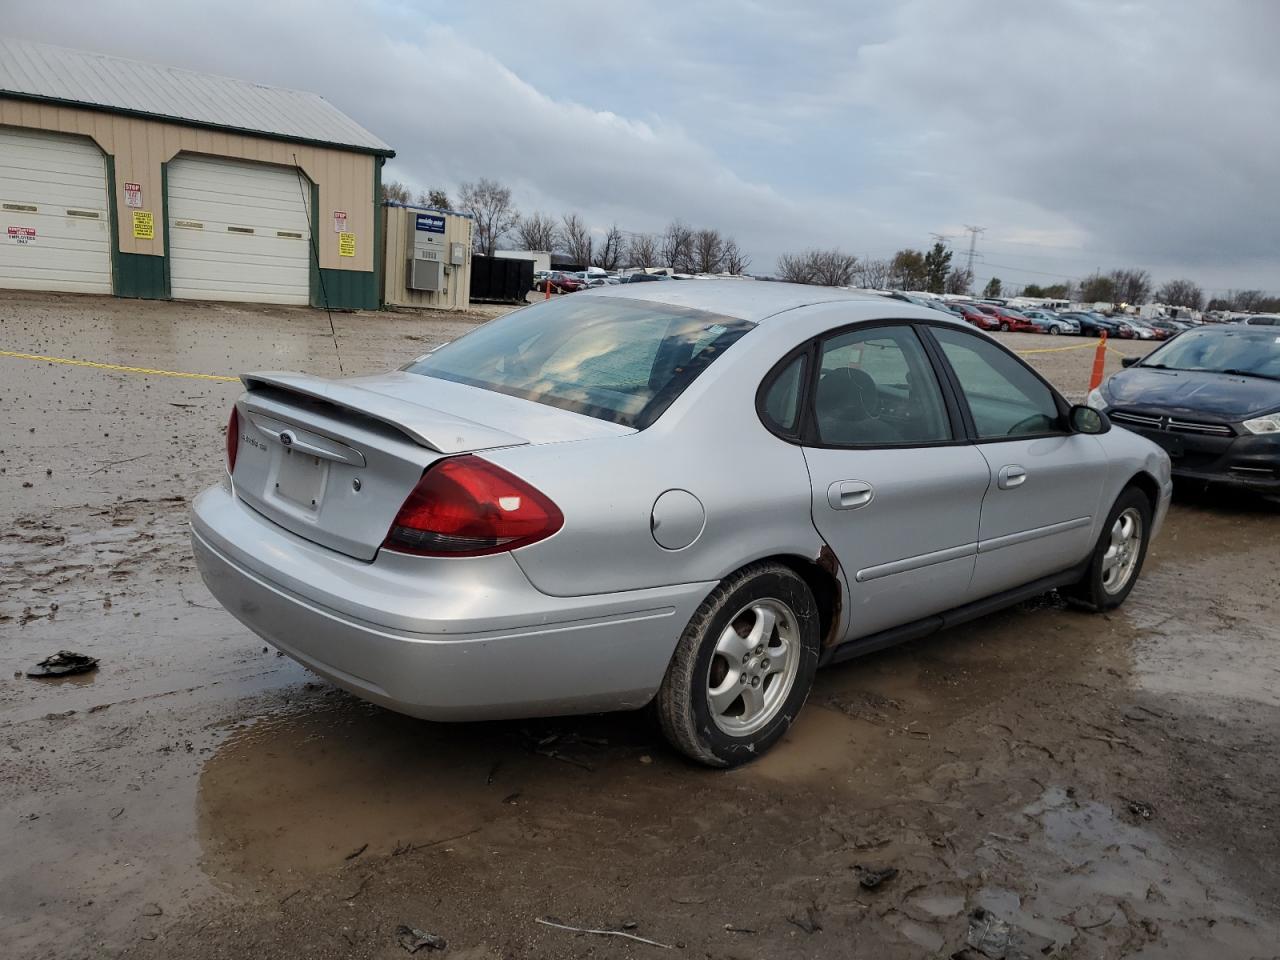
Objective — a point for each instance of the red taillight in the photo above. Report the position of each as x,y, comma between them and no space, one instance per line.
233,439
468,507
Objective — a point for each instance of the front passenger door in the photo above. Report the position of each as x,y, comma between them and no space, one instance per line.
1046,481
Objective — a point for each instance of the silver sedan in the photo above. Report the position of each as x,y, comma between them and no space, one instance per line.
690,495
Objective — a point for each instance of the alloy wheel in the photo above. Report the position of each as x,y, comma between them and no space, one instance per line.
754,665
1121,557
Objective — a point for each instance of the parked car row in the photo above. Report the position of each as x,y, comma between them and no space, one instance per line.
562,281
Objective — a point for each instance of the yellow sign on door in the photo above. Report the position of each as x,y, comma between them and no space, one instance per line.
346,244
144,227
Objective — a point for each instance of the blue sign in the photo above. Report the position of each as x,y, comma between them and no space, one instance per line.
430,223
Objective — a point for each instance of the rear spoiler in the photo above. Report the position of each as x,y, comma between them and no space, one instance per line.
426,426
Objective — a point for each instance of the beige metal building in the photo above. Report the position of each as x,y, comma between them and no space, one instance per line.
148,181
428,257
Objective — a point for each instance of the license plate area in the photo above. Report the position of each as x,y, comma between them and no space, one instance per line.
1173,444
300,480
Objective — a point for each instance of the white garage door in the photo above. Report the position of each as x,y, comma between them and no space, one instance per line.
238,231
55,231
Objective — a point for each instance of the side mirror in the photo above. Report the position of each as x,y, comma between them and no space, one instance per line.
1129,361
1088,420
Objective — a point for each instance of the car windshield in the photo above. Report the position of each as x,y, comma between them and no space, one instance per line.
614,359
1246,351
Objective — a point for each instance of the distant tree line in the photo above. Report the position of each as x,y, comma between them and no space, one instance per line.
685,249
680,247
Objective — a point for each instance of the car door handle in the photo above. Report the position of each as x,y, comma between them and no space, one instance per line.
1012,476
850,494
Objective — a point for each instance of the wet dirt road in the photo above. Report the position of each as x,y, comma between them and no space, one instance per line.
1105,784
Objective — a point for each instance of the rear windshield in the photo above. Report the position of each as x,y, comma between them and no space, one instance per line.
610,358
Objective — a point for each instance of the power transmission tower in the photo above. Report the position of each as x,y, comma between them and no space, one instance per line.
973,244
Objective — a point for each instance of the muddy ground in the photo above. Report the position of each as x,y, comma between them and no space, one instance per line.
1105,784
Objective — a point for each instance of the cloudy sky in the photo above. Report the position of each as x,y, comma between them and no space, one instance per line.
1080,133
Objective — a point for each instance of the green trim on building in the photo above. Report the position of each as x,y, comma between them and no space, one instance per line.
164,224
379,229
138,276
141,276
317,291
351,289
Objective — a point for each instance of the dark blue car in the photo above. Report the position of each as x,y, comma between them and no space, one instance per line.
1211,398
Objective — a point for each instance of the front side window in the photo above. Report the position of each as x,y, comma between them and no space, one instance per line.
877,388
615,359
1005,398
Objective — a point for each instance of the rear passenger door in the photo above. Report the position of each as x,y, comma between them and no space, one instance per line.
1046,482
897,488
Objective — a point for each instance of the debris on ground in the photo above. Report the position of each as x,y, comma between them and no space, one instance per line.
548,922
872,877
1139,808
988,934
413,939
64,663
810,921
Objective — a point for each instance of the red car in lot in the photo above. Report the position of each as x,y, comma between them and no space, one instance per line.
560,283
973,315
1007,319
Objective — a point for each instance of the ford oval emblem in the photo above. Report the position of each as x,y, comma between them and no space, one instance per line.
286,438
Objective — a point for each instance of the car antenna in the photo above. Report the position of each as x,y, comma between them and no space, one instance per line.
315,253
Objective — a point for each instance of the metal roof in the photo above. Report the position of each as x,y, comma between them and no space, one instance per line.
757,300
38,71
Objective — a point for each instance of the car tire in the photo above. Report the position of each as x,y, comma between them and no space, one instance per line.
1054,331
1004,328
1111,576
695,707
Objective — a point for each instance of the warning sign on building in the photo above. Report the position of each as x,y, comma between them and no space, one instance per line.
133,194
144,227
346,244
22,234
339,221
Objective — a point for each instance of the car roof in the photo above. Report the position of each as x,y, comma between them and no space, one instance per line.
758,300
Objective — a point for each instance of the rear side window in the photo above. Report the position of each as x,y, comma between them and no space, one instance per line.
781,402
877,388
614,359
1004,397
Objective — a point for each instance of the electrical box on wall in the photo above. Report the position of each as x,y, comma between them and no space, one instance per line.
428,253
457,254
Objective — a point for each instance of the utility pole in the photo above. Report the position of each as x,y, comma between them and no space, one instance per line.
973,244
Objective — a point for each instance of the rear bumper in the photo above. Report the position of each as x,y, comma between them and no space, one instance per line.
455,639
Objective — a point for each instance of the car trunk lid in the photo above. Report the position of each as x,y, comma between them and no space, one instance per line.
333,460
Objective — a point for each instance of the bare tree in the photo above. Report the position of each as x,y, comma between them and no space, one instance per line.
677,247
576,239
490,204
735,261
874,274
1132,286
831,268
537,232
708,251
435,197
643,250
958,281
609,256
1181,293
396,192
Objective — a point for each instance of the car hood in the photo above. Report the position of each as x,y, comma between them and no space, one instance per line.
1221,395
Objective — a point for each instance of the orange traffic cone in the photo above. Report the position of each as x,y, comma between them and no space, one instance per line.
1099,362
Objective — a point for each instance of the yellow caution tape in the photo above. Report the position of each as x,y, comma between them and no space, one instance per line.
1074,346
115,367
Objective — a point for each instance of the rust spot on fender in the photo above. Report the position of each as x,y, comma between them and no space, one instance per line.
828,562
